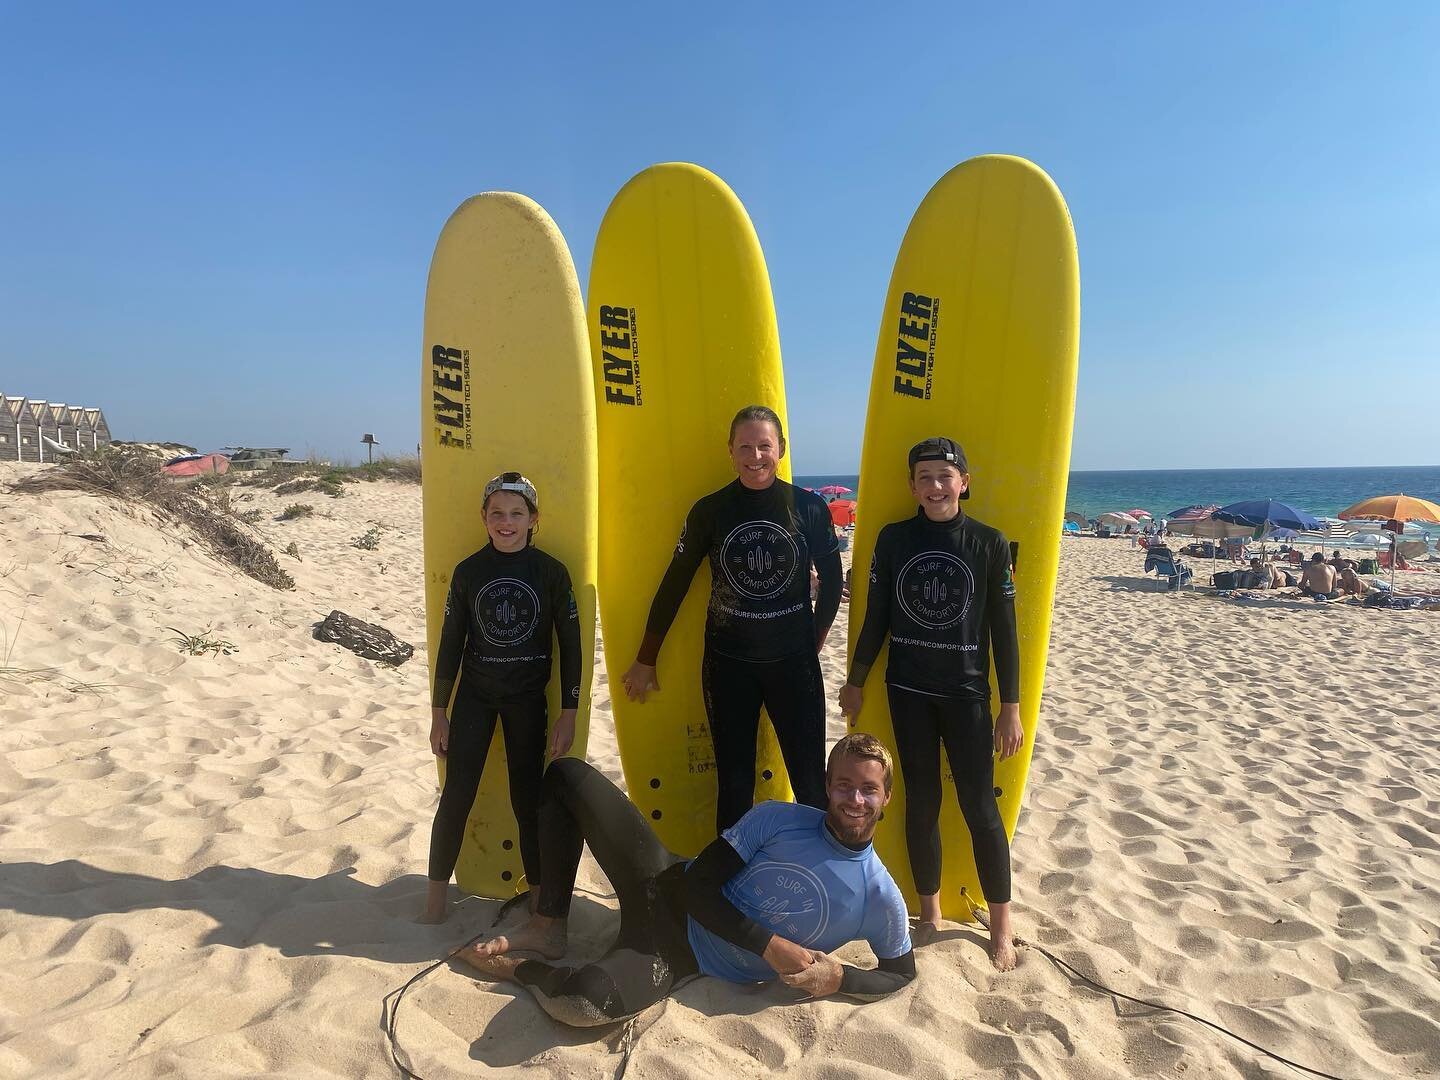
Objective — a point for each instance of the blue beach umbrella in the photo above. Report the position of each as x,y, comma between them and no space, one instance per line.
1263,513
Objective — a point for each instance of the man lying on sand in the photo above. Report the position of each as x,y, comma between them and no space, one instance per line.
771,898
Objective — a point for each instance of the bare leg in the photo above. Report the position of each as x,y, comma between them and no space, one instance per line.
540,934
929,922
437,908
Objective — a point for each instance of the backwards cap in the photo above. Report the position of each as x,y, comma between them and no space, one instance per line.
513,481
940,449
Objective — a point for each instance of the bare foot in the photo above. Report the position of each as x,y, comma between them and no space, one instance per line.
539,935
1003,954
1002,943
500,968
437,905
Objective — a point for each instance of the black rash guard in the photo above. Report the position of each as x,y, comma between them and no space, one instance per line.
944,592
761,545
498,619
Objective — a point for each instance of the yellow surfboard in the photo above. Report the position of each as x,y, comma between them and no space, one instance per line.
505,384
979,342
683,336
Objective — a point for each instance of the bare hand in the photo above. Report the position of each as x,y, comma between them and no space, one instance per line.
821,979
439,732
786,957
639,681
562,735
851,700
1009,735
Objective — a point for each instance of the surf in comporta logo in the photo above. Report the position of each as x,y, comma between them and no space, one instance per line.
915,344
759,559
450,396
507,610
785,898
935,589
620,356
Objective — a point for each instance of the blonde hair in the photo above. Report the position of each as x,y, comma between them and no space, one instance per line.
866,747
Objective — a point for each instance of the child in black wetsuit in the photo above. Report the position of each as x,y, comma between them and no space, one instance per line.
504,601
941,587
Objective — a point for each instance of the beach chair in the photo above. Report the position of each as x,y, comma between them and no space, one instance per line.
1163,561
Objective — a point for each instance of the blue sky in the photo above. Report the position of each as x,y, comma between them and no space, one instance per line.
215,223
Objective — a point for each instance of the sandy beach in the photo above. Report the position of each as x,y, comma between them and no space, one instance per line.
210,864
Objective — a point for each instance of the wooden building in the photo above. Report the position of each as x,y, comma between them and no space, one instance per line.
36,430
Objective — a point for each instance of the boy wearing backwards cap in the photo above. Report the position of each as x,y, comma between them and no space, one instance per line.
941,587
504,601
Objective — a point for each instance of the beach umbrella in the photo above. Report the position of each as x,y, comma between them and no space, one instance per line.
833,489
1396,510
1116,520
842,512
1193,512
1392,508
1137,513
1199,521
1077,518
1263,513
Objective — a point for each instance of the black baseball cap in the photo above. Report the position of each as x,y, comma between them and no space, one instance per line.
940,449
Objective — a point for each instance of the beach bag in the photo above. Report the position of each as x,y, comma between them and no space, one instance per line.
1368,566
1224,580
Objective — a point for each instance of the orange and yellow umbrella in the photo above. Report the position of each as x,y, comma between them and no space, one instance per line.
1393,508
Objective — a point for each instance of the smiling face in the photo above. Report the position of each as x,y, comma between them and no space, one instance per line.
755,450
508,520
937,487
856,797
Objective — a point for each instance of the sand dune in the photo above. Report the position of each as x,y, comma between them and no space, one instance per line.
209,864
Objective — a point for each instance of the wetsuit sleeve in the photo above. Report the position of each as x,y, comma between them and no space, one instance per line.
567,633
875,984
452,642
832,581
877,614
1000,617
706,903
690,551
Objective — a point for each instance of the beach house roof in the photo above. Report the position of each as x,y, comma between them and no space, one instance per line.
36,429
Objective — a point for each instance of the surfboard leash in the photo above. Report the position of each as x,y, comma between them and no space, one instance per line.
983,917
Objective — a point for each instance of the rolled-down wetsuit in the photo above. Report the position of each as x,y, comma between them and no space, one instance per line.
761,635
499,616
778,870
944,593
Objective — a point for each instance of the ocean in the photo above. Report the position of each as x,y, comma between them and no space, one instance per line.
1322,492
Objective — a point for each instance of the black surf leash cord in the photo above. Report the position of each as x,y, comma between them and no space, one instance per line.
391,1011
984,918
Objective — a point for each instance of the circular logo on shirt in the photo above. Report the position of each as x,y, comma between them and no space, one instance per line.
785,898
759,559
507,610
934,588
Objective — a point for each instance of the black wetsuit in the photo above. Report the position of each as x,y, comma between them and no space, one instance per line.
761,635
499,617
943,591
664,901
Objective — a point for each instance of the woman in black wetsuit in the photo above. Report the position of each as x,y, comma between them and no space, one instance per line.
762,637
504,601
941,587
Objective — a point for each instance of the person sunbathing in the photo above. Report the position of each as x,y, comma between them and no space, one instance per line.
1264,575
1320,578
1351,583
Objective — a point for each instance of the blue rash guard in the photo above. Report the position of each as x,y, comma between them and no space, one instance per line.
803,884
